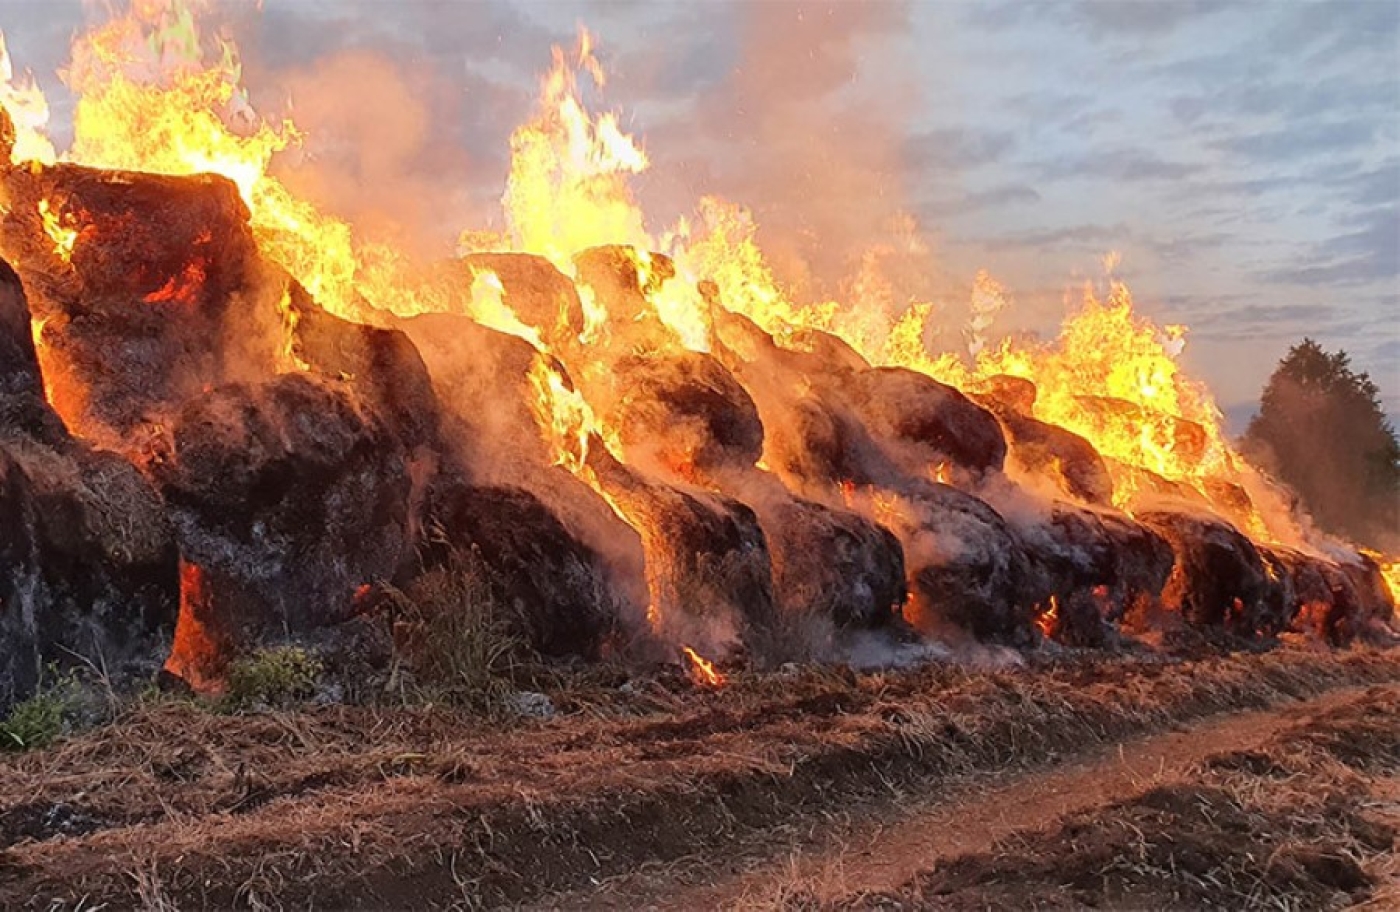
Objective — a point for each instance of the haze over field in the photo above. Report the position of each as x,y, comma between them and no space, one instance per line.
1242,157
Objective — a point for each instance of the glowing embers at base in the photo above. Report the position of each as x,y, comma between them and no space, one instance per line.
1047,619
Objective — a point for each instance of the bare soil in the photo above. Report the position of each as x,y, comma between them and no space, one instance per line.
646,790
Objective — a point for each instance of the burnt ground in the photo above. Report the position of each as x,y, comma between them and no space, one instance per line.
651,788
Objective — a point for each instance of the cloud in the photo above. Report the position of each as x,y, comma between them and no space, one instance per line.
957,148
1139,19
1290,99
1117,165
1370,254
1301,139
1101,19
1079,236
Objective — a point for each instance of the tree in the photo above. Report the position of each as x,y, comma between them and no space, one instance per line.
1322,431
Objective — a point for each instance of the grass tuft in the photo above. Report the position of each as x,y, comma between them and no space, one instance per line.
43,717
279,677
453,640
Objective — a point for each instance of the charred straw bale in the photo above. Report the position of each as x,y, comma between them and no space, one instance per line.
708,567
87,556
23,410
136,318
382,365
154,239
967,568
553,589
833,564
1097,565
482,380
1361,598
287,496
1219,579
1299,591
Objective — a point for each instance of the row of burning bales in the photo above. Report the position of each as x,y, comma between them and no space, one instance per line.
208,461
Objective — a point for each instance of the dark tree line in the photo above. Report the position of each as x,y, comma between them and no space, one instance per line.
1322,431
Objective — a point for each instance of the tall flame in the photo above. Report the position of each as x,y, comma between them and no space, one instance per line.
29,112
568,188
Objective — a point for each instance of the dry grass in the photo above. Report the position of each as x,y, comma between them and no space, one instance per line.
334,806
454,642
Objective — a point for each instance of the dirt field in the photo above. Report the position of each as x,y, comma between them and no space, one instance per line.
1265,781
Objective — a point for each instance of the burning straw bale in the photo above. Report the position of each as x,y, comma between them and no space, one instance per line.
905,406
612,274
1219,579
709,572
539,294
967,569
87,556
1336,600
1309,594
833,564
482,380
831,352
1044,450
382,365
686,416
135,312
686,412
287,497
1095,565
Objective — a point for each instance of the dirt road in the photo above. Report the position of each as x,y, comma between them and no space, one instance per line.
882,848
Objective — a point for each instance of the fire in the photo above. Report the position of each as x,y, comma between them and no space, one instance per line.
289,359
64,238
1113,377
702,670
1047,620
1390,573
565,416
155,94
29,111
568,188
197,650
488,307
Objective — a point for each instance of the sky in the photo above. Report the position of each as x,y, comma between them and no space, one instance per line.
1243,158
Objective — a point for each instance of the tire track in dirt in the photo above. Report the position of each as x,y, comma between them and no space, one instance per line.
879,848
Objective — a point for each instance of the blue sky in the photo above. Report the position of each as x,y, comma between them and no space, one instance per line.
1243,157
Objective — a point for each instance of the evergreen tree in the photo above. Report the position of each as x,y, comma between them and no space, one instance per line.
1321,430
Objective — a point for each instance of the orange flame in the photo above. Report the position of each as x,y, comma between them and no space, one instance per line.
64,238
702,670
1048,619
1390,573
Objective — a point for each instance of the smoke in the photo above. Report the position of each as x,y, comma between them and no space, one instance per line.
804,131
374,153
